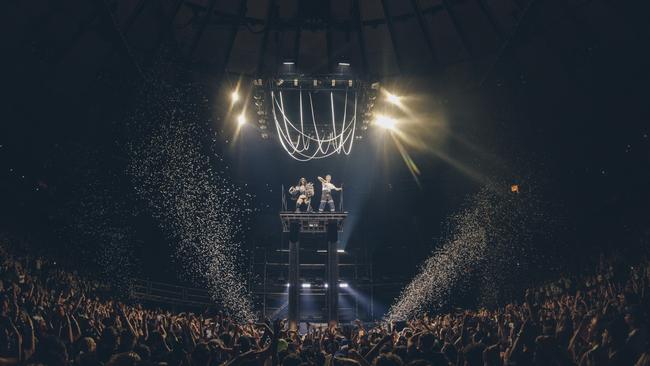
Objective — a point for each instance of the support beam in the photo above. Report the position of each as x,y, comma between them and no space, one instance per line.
241,13
508,43
134,16
166,30
199,33
328,37
459,29
294,285
116,36
425,32
296,39
393,39
361,39
267,29
485,9
332,277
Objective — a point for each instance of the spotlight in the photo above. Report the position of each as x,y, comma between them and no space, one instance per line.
392,98
327,285
385,122
306,285
288,284
234,96
344,64
333,82
288,63
343,285
241,119
340,250
295,82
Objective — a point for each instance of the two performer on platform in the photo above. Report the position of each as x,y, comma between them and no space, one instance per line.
304,191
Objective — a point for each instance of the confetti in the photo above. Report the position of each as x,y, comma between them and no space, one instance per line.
491,250
184,183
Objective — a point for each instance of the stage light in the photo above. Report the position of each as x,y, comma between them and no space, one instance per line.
288,62
344,64
241,119
385,122
306,285
333,82
234,96
340,250
343,285
392,98
327,285
288,284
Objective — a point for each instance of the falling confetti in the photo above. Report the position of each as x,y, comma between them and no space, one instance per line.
494,244
176,174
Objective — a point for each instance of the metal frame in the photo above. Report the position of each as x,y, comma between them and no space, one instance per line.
393,39
312,222
425,32
197,36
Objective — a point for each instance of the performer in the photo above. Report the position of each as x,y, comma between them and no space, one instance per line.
326,195
302,193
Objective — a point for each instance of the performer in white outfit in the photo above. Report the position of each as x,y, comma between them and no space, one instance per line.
326,195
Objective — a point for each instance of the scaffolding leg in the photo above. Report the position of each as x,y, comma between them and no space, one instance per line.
294,286
332,282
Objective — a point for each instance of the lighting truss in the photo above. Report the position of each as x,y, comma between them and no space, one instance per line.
314,118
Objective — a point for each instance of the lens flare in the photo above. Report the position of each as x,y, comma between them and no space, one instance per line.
385,122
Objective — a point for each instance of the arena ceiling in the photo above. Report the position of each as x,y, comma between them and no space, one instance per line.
462,39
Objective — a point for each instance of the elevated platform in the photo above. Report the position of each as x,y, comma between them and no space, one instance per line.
312,222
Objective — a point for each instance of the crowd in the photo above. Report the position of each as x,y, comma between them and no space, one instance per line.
52,317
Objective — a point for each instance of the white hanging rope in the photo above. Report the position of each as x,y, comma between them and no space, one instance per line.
297,142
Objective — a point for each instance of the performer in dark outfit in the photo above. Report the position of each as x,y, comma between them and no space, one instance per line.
326,195
303,192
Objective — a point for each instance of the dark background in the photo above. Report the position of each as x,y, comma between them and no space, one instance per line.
554,96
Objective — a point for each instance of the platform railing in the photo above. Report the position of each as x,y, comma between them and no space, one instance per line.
146,290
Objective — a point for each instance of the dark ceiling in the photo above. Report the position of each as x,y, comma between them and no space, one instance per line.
457,40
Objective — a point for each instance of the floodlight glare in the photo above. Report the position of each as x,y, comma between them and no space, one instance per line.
241,119
385,122
234,96
392,98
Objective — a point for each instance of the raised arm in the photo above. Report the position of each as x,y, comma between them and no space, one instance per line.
321,179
